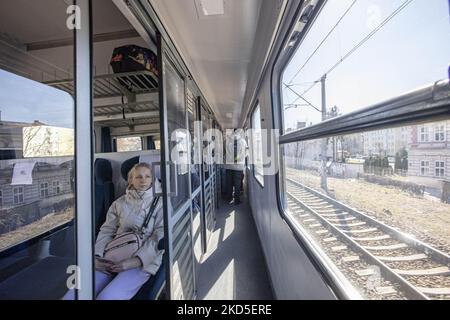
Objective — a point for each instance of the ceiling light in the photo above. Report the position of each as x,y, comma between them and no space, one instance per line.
229,115
210,7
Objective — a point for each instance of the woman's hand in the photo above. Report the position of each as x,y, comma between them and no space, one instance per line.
102,264
124,265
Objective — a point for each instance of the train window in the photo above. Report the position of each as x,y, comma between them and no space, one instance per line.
129,144
195,151
362,52
176,121
258,170
247,140
205,128
37,143
371,198
36,148
377,206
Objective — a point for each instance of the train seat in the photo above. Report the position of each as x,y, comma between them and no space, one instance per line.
104,190
127,165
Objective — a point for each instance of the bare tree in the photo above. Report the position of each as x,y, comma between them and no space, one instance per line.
36,141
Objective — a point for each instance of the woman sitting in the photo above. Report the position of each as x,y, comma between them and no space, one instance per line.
122,280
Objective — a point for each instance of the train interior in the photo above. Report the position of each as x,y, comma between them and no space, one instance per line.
38,238
346,196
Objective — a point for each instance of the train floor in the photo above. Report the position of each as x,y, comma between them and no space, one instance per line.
233,267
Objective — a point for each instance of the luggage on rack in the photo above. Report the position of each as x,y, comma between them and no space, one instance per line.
131,58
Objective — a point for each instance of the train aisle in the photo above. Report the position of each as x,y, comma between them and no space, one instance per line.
234,266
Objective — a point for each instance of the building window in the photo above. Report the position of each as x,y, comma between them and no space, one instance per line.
439,168
1,198
44,189
423,134
439,133
56,187
424,167
18,195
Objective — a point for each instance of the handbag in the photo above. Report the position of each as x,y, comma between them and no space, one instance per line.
126,244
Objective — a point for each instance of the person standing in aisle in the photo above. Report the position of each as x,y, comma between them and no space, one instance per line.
236,150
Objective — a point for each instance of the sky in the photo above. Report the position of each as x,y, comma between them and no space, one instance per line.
25,100
412,50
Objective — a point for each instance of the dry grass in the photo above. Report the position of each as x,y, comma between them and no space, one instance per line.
31,230
426,218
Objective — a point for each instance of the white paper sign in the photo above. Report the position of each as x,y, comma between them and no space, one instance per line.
23,173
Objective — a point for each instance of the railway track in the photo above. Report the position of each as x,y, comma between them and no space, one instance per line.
416,269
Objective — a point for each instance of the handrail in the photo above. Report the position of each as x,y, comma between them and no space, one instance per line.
424,104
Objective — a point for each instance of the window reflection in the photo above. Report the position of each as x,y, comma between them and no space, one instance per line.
36,166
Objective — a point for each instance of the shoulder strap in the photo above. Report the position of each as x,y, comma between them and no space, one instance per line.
235,155
150,212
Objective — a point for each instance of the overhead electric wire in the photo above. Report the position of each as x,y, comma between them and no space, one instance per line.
392,15
299,96
323,40
356,47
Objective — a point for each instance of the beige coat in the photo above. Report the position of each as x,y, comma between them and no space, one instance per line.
127,214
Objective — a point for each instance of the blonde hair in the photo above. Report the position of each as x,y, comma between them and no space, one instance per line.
133,170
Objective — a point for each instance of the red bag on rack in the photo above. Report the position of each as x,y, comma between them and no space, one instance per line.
131,58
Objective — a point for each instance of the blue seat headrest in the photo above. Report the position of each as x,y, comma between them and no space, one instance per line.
102,171
127,165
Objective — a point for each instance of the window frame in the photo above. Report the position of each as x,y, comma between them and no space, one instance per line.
439,168
254,170
424,167
81,66
56,185
426,104
18,194
439,132
45,189
248,142
424,134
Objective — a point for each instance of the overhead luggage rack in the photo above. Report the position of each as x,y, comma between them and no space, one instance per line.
111,85
121,98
